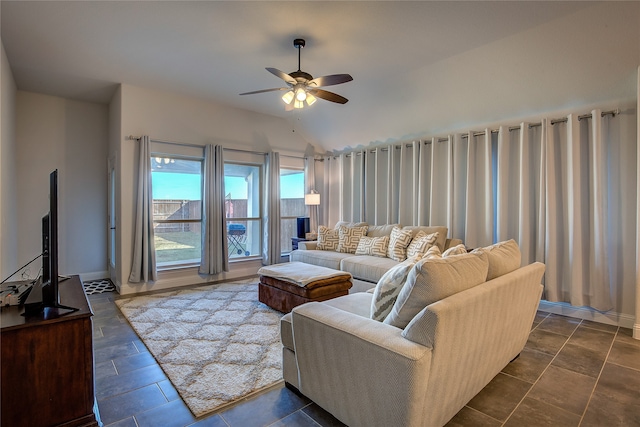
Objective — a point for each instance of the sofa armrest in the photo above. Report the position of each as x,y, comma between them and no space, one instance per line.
310,245
362,371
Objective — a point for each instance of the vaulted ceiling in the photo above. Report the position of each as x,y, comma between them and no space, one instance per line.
420,68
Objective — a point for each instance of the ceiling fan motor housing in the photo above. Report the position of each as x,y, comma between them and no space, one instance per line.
299,43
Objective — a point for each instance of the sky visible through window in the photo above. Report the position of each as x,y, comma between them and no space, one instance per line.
186,186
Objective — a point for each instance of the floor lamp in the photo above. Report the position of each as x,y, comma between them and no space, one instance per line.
313,199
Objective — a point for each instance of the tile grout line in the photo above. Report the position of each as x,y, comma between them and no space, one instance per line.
543,372
598,379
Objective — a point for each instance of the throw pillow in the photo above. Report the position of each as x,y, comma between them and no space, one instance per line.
431,280
420,243
455,250
376,246
433,253
398,242
327,239
504,257
349,237
388,288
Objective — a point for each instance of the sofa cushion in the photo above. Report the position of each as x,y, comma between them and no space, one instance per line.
380,230
376,246
349,237
327,239
349,224
433,253
388,288
504,257
398,242
431,280
455,250
366,267
420,243
327,259
441,230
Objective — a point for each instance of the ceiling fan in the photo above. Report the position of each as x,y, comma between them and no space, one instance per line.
302,88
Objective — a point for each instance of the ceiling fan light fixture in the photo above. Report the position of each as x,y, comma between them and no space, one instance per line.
298,104
288,97
301,94
311,99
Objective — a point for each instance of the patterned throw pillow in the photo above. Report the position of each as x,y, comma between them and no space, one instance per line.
327,239
376,246
455,250
420,243
398,243
433,253
388,288
349,237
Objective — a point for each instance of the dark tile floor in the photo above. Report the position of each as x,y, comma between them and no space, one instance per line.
571,373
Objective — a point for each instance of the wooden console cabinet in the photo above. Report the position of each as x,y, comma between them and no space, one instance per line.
47,365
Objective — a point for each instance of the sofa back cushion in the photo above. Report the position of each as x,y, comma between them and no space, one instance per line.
433,279
441,230
504,257
349,224
380,230
327,239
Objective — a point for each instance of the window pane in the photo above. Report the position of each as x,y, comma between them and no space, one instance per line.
292,193
288,229
244,238
242,185
177,196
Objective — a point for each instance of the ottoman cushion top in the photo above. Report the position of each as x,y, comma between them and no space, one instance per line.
301,274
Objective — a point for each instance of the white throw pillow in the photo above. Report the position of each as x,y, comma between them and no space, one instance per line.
388,288
504,257
376,246
421,243
327,239
349,237
398,243
455,250
433,253
431,280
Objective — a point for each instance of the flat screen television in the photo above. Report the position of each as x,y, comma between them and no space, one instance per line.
45,296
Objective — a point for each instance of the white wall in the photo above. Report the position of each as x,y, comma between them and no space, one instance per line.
9,261
171,117
71,136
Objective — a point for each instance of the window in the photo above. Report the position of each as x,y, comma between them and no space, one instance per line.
243,209
291,205
177,210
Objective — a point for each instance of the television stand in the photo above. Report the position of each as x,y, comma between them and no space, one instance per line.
46,364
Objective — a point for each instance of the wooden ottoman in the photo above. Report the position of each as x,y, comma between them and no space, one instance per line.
285,286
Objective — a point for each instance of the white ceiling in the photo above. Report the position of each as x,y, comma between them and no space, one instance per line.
419,67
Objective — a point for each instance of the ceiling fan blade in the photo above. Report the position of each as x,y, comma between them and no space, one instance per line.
265,90
333,79
329,96
284,76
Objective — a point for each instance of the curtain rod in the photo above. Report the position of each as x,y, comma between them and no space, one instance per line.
186,144
480,133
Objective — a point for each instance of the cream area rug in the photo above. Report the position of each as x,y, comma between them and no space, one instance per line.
216,343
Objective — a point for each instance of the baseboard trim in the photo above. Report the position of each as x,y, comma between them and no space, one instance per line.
636,331
586,313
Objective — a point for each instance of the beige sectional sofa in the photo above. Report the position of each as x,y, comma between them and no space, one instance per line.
420,370
365,269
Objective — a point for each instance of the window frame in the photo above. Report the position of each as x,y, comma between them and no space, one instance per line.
260,216
287,250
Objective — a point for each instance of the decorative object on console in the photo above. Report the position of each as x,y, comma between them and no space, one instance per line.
302,227
302,87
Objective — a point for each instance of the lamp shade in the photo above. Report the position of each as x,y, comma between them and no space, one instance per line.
312,198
